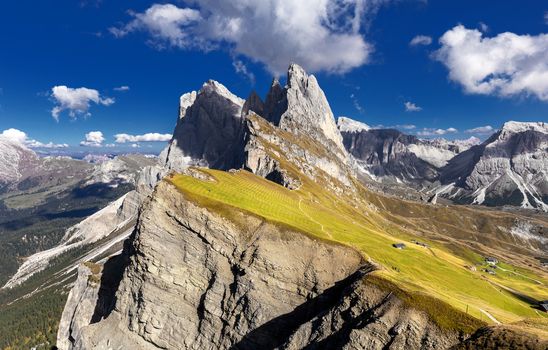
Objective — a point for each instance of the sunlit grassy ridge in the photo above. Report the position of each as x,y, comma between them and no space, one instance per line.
433,271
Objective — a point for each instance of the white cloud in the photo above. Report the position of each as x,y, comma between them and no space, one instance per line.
397,126
163,22
38,144
405,126
122,88
411,107
356,103
14,135
149,137
505,65
135,145
436,132
76,101
241,68
321,35
483,27
487,129
21,137
421,40
93,139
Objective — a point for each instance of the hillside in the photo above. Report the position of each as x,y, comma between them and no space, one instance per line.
433,271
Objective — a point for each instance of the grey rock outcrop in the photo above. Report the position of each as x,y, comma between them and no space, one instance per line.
209,131
194,280
302,108
281,156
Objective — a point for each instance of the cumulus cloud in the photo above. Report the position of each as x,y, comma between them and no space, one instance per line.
487,129
164,22
504,65
93,139
122,88
411,107
76,101
436,132
421,40
149,137
321,35
21,137
14,135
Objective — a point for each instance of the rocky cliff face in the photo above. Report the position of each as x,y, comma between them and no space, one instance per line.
511,167
193,280
387,153
209,131
302,108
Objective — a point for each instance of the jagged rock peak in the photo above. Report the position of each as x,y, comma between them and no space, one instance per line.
346,124
253,103
209,89
209,130
214,87
302,108
186,101
275,103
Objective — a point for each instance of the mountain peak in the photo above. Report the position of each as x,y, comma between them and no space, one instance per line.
211,87
515,127
301,107
296,74
253,103
346,124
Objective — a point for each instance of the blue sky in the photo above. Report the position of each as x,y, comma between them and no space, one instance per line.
364,62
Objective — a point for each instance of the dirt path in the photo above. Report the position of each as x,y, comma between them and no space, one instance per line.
491,317
519,274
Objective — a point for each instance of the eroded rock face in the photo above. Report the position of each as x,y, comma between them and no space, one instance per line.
387,153
216,129
209,131
302,108
194,280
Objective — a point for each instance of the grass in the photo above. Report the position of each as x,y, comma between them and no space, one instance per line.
434,273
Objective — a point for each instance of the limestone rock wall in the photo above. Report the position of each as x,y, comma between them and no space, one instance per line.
193,280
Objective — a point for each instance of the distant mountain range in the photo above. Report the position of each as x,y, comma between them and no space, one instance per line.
509,168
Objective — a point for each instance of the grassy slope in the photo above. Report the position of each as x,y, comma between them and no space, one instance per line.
435,272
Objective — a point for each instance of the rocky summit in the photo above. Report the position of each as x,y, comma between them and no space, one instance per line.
253,231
